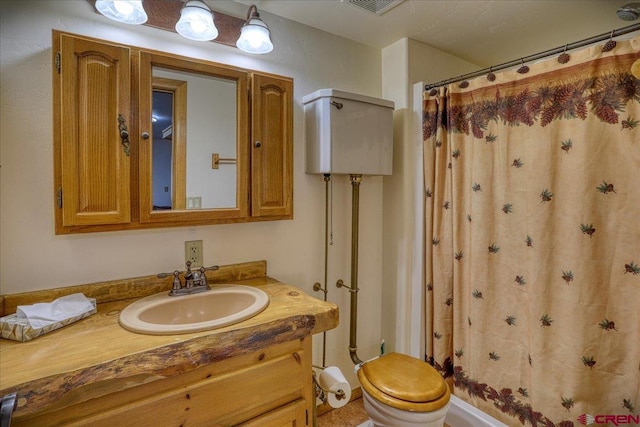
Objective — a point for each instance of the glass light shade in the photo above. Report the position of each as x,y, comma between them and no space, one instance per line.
196,22
254,37
126,11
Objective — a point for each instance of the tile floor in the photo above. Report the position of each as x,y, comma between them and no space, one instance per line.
350,415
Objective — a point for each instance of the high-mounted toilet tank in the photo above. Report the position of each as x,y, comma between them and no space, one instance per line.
348,133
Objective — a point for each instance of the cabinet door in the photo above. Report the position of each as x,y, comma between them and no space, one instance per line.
292,415
272,150
207,109
94,164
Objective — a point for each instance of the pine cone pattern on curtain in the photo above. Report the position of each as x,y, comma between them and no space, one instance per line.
532,201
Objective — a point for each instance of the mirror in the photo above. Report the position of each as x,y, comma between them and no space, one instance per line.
167,162
184,173
195,156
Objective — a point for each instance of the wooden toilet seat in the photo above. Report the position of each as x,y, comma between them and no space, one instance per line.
404,382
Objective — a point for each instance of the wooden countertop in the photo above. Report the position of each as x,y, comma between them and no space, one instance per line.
96,356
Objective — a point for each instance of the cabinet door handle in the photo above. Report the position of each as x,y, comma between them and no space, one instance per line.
124,135
258,144
8,404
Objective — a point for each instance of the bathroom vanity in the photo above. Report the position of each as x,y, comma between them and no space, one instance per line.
94,372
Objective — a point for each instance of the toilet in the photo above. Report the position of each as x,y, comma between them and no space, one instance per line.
403,391
352,134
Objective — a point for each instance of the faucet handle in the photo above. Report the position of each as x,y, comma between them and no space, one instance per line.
203,277
176,280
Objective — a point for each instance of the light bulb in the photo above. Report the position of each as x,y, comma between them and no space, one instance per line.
254,37
126,11
254,43
123,7
196,22
197,26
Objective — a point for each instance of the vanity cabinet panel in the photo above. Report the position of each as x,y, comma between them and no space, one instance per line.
272,151
270,388
223,400
93,85
291,415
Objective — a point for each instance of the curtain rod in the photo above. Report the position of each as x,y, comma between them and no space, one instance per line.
581,43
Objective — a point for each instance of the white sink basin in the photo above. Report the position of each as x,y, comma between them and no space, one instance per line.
224,305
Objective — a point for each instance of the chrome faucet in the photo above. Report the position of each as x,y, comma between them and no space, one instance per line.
194,281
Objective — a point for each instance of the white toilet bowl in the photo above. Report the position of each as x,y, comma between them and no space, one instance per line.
386,416
402,391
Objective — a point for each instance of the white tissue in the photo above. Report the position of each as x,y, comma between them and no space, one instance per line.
331,378
42,314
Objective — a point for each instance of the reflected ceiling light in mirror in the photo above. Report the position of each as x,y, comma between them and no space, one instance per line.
196,21
126,11
254,35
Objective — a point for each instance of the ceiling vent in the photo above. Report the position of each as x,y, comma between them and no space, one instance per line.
379,7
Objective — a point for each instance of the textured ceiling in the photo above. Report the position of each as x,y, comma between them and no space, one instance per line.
483,32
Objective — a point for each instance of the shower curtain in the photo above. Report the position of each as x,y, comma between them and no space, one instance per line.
532,238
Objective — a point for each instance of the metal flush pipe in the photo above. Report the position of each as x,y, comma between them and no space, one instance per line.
317,286
355,212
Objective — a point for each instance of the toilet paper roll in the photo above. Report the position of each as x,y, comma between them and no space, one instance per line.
333,380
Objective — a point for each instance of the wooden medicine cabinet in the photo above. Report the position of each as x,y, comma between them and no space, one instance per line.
146,139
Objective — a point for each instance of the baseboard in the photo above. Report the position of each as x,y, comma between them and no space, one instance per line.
323,408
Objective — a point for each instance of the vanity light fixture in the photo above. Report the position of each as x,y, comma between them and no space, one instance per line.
126,11
254,35
196,21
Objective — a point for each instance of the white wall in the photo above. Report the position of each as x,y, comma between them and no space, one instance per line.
32,257
405,63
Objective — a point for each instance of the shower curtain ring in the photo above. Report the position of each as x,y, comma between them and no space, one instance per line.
610,45
491,76
564,56
523,69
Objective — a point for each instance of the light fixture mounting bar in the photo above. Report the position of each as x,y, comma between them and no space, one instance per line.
164,14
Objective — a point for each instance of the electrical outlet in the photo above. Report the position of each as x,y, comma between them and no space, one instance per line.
194,202
193,252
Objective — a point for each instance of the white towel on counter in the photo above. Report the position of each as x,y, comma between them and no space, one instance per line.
42,314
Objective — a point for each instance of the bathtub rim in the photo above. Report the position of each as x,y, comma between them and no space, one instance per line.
461,412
